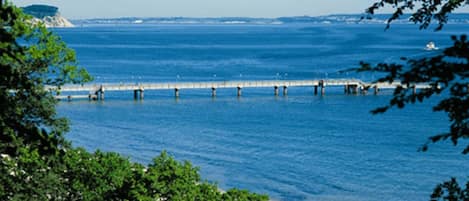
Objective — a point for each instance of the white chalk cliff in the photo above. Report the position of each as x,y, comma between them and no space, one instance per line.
54,21
48,15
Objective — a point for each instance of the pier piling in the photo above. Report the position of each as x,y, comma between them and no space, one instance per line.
214,91
363,89
323,87
285,90
176,92
355,89
141,93
101,92
91,96
239,91
276,90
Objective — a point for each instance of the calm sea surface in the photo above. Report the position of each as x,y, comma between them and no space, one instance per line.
300,147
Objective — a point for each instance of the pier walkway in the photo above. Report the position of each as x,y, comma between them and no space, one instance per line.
97,91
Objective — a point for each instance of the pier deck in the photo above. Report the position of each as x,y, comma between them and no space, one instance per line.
96,91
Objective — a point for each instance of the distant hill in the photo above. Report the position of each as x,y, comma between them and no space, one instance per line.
49,15
41,11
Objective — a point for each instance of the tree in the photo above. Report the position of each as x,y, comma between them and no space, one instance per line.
32,57
38,163
427,10
31,134
445,73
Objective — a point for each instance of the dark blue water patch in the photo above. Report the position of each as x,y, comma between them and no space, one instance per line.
228,52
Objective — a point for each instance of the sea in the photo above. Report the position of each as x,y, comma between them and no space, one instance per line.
293,148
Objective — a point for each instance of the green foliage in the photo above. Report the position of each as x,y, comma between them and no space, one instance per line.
31,135
28,177
238,195
32,57
37,163
172,180
108,176
97,176
427,10
104,176
447,74
450,191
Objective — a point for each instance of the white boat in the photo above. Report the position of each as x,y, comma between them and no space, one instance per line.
138,21
431,46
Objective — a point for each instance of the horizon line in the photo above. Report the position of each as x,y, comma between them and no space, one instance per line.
206,17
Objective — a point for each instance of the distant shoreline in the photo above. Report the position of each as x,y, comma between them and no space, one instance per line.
459,18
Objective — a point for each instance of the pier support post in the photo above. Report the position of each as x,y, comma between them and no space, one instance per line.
176,92
355,89
363,89
323,87
315,90
276,90
414,90
92,96
346,89
214,92
376,89
141,93
285,90
101,92
239,91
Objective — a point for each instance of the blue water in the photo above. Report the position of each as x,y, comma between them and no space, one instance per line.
300,147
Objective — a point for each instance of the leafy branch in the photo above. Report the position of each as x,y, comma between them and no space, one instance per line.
446,72
428,10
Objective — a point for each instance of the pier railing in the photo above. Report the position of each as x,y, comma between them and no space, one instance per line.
97,91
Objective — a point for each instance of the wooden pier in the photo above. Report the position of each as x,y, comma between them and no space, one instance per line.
351,86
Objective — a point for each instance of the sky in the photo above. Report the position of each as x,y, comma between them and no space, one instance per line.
85,9
82,9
